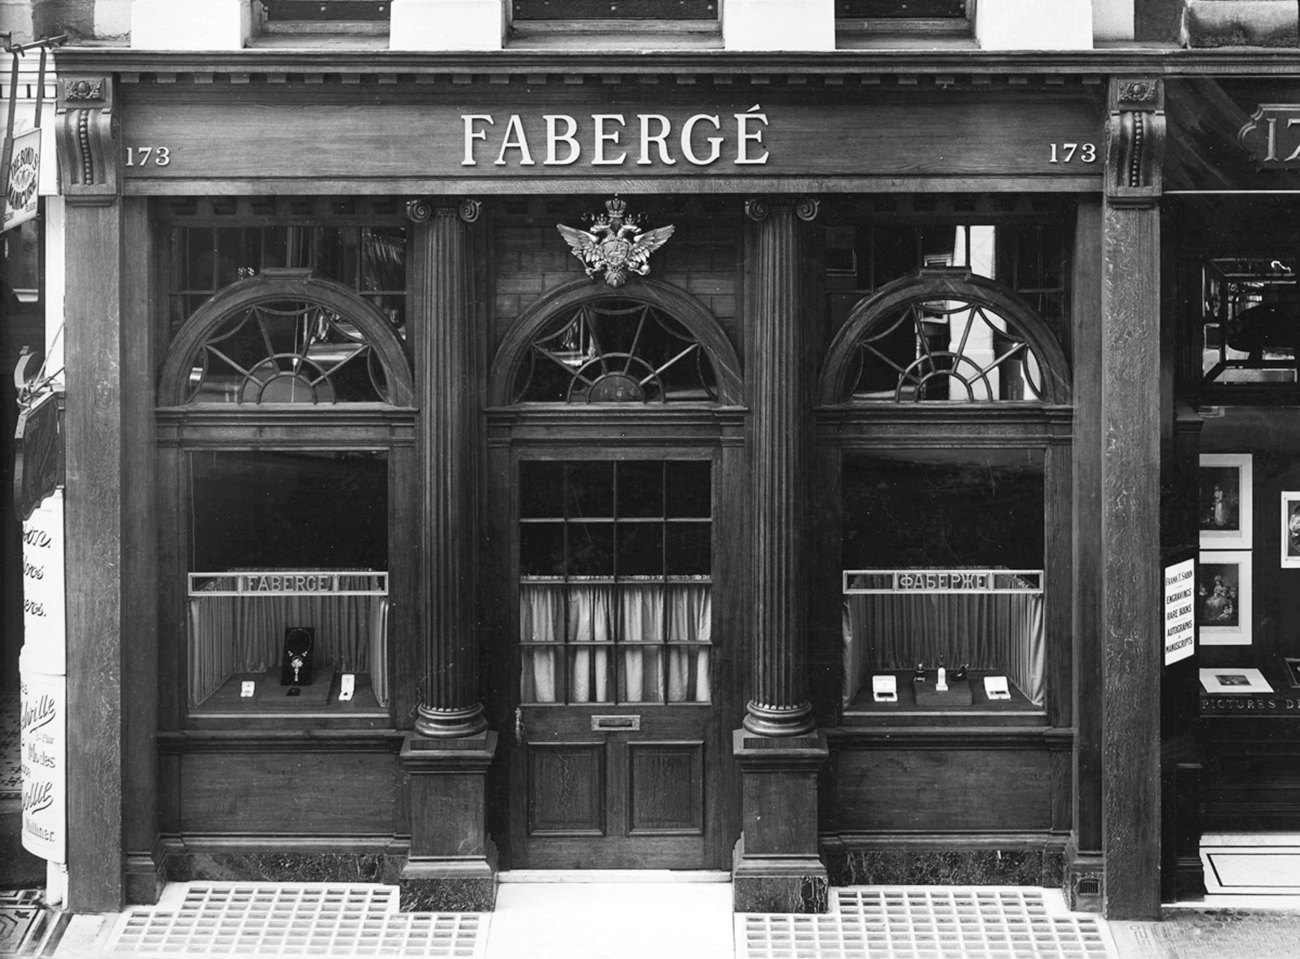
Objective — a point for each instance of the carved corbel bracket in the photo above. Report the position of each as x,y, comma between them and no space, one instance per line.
1135,142
425,209
88,134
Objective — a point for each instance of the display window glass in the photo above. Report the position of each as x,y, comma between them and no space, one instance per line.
943,554
288,549
615,587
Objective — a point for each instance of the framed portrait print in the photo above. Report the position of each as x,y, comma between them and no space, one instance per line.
1291,529
1224,505
1223,598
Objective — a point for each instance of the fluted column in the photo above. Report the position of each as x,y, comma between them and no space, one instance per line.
779,450
447,452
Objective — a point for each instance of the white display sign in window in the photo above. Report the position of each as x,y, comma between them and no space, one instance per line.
1180,611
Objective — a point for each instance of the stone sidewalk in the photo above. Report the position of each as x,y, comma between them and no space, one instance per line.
1196,931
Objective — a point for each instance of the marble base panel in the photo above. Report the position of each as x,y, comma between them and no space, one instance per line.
282,867
449,894
802,894
952,867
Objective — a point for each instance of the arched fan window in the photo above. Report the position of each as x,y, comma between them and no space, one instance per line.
616,351
284,337
582,347
944,336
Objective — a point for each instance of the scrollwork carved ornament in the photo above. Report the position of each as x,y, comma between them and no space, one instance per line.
87,133
758,208
1135,142
424,209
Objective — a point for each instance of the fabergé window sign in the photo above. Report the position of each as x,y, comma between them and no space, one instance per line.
716,137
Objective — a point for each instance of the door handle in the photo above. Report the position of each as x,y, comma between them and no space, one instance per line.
519,725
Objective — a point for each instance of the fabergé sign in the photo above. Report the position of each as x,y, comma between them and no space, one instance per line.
411,144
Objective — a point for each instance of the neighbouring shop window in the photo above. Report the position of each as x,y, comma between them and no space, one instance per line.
283,540
1250,336
616,351
943,557
368,259
615,563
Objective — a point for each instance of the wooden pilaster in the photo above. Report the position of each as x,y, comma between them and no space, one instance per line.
1130,427
93,519
779,460
1083,883
447,454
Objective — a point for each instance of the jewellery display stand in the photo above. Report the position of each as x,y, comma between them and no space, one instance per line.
958,692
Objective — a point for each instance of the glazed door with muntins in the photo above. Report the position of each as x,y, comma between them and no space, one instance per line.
615,729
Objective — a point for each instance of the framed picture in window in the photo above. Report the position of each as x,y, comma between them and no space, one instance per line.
1223,604
1291,529
1224,506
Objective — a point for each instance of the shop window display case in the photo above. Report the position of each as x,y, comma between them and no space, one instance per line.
287,597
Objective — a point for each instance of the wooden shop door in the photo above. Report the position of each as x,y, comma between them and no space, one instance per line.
617,742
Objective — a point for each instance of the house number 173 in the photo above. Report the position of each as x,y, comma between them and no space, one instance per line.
140,156
1069,152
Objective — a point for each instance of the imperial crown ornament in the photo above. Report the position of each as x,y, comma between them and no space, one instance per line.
615,243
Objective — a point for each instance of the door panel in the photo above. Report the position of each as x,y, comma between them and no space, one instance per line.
665,789
566,789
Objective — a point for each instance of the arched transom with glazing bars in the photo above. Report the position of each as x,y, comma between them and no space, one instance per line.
652,346
286,339
944,336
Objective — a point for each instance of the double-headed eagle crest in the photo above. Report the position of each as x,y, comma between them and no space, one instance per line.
615,243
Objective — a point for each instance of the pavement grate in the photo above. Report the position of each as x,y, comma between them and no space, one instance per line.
291,919
902,922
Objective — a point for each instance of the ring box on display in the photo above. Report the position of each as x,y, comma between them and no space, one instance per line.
884,689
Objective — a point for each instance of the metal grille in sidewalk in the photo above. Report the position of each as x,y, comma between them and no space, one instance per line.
298,919
940,922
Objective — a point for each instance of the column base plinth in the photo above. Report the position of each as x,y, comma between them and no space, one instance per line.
450,723
777,865
452,865
779,720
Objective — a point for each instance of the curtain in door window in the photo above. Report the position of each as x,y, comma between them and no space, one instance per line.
648,616
690,621
591,622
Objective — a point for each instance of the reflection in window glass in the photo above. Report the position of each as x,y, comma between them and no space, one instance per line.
368,259
944,550
615,581
615,351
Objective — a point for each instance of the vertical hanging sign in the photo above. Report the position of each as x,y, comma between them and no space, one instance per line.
42,664
1180,615
20,162
43,669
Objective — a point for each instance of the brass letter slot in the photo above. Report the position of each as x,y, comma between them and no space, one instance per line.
615,722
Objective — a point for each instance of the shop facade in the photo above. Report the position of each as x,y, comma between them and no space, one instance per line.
419,539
